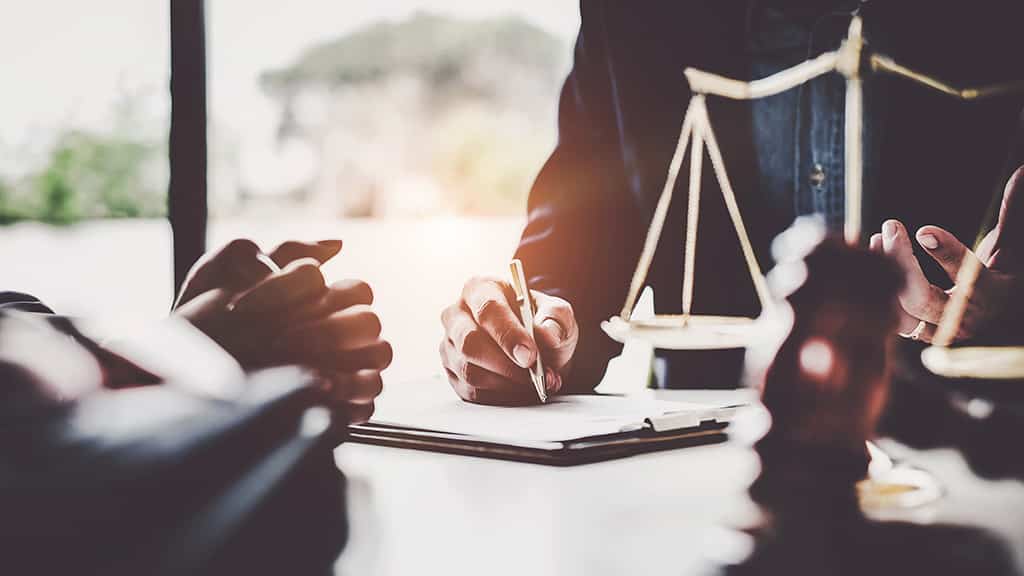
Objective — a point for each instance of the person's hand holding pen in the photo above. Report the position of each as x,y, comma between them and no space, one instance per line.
273,309
487,353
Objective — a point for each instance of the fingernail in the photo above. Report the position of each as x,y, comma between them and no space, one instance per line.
330,243
889,230
552,324
522,355
550,380
928,241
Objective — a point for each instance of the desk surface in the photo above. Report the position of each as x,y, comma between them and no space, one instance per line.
664,513
424,513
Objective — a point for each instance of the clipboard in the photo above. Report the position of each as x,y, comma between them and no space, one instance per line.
691,425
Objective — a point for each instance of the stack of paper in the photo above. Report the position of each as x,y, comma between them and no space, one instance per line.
562,419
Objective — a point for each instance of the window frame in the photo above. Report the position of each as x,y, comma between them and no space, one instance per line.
187,209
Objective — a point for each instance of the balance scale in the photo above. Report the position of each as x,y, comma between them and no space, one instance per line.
890,485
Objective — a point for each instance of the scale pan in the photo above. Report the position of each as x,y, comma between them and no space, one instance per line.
678,332
982,362
900,488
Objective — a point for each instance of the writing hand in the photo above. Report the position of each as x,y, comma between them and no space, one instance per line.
486,351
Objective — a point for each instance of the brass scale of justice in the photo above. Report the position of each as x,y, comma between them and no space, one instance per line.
688,331
889,487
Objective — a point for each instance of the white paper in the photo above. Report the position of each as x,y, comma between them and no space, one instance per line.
562,418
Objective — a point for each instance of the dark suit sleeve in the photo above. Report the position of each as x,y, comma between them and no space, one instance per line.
581,240
22,302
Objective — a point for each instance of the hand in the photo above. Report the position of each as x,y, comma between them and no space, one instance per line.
922,301
236,268
237,300
291,317
486,351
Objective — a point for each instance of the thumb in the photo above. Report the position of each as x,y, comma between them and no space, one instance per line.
944,248
292,250
234,267
896,244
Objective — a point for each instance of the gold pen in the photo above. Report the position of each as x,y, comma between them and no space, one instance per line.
526,314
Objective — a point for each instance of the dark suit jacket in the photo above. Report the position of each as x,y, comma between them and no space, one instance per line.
619,116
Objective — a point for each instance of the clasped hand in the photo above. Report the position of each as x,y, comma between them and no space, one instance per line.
265,318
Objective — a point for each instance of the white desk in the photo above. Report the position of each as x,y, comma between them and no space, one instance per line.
668,512
424,513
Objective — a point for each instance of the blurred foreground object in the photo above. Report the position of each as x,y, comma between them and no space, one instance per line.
825,382
164,479
828,380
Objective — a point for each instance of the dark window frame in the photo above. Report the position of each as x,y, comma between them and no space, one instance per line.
187,190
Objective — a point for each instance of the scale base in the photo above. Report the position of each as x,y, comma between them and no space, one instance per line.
898,489
681,332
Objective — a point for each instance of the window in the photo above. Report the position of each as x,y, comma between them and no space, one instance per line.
83,156
412,130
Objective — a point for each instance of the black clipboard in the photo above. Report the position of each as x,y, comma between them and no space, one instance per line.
564,453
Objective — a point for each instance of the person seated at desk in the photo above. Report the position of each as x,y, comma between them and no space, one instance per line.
265,317
930,162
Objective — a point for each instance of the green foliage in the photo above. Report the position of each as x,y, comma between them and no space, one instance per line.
89,175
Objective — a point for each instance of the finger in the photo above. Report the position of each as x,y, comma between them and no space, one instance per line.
293,250
349,329
234,267
945,249
377,356
346,293
477,347
875,243
478,376
486,368
359,413
299,283
487,300
552,380
555,329
470,393
355,387
339,296
919,297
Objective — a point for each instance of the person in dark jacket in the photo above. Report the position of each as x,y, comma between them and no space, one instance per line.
932,165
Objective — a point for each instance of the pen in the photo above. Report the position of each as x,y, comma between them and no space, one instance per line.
526,314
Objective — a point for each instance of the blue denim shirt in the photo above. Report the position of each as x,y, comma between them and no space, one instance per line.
799,134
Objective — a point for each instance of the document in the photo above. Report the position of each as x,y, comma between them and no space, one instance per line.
561,419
